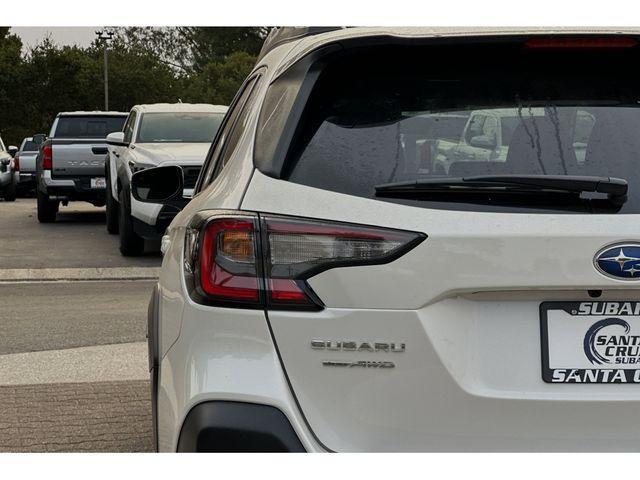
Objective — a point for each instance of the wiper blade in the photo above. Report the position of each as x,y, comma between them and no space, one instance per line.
615,188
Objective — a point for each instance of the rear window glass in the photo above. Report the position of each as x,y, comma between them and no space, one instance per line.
88,126
29,146
449,112
179,127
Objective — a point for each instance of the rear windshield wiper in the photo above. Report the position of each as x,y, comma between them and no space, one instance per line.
615,188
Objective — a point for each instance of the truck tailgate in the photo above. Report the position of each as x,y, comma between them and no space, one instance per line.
76,158
28,162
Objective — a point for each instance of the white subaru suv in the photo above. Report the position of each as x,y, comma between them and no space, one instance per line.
154,135
327,290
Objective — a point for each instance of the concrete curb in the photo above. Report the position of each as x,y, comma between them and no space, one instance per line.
77,274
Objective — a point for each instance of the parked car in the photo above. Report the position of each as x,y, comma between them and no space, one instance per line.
7,173
70,163
322,292
154,135
25,163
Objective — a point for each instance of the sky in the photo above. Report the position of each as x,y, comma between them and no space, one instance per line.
31,36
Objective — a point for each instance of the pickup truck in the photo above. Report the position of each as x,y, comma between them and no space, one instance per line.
70,163
154,135
25,162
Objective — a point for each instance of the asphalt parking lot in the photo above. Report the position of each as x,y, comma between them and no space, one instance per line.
73,364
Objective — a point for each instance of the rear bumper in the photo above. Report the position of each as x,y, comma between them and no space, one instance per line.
220,426
27,178
72,188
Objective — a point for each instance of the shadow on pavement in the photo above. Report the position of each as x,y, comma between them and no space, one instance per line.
80,217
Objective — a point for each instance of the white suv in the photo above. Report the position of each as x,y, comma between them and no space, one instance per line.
325,289
154,135
8,173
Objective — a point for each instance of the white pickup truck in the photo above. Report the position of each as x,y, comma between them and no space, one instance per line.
70,163
154,135
8,178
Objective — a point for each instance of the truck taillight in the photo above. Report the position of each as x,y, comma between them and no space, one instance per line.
255,261
16,162
47,155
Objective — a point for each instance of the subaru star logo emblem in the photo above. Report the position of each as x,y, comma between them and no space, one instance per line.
620,261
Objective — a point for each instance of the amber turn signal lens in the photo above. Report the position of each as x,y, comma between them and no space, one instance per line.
237,245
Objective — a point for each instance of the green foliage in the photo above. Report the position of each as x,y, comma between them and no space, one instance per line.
209,45
10,78
146,65
219,81
191,49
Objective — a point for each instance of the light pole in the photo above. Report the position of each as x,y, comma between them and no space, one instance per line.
105,35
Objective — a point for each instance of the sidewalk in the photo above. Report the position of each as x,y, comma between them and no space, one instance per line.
78,417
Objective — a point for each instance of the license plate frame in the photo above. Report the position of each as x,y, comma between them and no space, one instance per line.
98,182
595,366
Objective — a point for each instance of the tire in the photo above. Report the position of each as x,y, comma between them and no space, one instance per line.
10,192
113,207
131,244
47,209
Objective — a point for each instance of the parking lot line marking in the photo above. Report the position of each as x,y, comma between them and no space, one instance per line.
9,275
101,363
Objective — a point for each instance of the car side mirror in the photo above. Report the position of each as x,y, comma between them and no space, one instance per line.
117,139
4,163
483,141
12,149
39,138
158,185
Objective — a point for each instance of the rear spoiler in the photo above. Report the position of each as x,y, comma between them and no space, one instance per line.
281,35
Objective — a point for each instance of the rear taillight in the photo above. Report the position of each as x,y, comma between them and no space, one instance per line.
255,261
47,155
16,162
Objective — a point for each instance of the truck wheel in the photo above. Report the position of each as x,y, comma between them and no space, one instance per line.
112,207
10,192
131,244
47,209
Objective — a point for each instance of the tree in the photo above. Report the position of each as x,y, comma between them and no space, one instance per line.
146,65
190,49
219,81
136,75
215,44
10,78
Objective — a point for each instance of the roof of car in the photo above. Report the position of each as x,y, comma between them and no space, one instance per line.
181,107
301,44
93,112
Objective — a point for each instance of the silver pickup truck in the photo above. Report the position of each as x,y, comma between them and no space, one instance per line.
70,163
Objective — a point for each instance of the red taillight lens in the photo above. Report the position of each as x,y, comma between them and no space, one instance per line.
16,162
47,155
227,261
265,262
586,42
